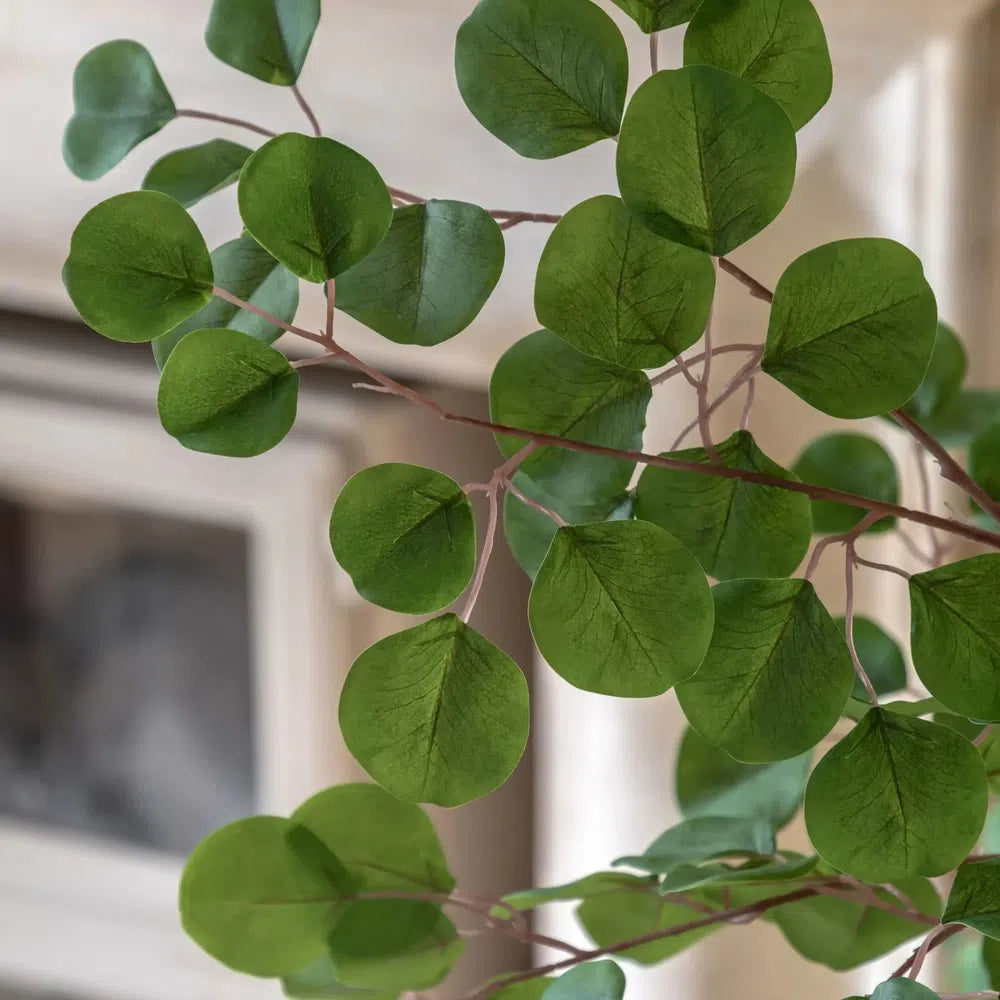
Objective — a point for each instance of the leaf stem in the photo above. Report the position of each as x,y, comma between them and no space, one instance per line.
225,120
753,286
307,110
936,935
849,622
654,52
845,537
680,365
331,304
704,382
885,567
748,406
535,505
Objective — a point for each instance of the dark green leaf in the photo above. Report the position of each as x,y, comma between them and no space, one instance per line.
620,608
990,750
268,39
969,729
546,77
613,290
382,842
406,536
431,275
394,944
711,783
621,916
963,416
119,99
530,989
462,726
777,45
896,797
736,529
902,989
984,459
944,377
585,888
843,934
316,205
702,839
318,981
705,158
853,463
880,656
777,674
190,174
656,15
529,532
991,960
684,877
253,902
226,393
975,897
591,981
137,266
955,634
244,269
852,327
543,384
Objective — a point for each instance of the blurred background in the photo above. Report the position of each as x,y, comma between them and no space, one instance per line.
173,631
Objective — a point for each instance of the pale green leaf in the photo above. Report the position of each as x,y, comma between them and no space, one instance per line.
902,989
590,981
193,173
944,377
975,897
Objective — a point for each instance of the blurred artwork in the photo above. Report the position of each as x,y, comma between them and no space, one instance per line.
125,673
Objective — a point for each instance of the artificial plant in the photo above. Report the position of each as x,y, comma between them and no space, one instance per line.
351,895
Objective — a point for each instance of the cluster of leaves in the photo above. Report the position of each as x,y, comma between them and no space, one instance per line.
346,896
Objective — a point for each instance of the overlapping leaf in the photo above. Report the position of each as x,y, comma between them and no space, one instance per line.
193,173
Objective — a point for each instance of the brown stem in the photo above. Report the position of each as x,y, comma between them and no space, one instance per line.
704,409
849,623
331,305
535,505
225,119
221,293
654,52
308,111
950,931
680,364
756,289
844,538
885,567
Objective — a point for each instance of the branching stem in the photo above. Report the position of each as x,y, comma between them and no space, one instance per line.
307,110
225,120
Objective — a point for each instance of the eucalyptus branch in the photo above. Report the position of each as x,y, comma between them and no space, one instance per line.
925,499
919,956
756,289
748,406
225,120
844,538
704,411
307,110
535,505
680,364
884,567
654,52
927,946
849,620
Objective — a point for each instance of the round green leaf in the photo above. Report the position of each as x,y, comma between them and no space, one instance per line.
244,269
777,45
777,673
431,275
137,267
590,981
193,173
253,902
529,532
736,529
620,608
543,384
852,327
843,934
462,726
546,77
853,463
963,416
317,206
226,393
975,897
984,459
119,99
656,15
382,842
406,536
711,783
902,989
705,159
318,981
395,944
613,290
880,656
944,377
268,39
955,634
896,797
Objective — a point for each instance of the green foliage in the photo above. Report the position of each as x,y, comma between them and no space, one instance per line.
902,989
984,459
777,674
137,267
543,384
430,276
963,416
853,327
461,729
119,99
591,981
226,393
991,961
711,783
777,45
268,39
853,463
705,158
315,238
975,897
736,529
598,884
955,634
318,981
245,269
613,290
879,655
406,536
606,605
896,797
190,174
944,377
546,77
656,15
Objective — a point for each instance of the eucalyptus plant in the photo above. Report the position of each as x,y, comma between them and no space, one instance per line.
685,576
